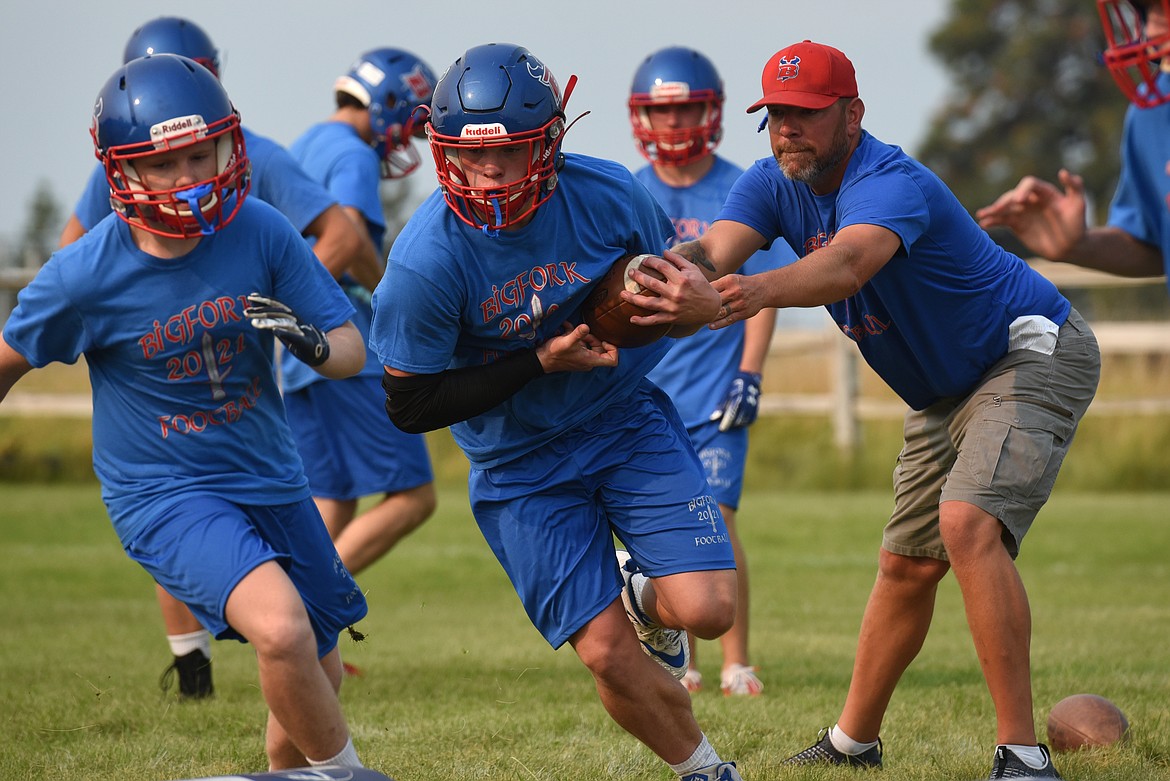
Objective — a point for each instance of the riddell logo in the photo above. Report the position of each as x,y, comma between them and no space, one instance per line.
172,127
670,90
494,130
188,125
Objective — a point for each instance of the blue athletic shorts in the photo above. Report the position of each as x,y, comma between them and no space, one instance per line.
724,454
550,516
200,548
349,446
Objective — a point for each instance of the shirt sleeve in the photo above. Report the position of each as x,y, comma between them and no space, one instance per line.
94,204
46,326
280,181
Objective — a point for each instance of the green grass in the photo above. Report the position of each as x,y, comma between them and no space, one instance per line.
1111,453
459,686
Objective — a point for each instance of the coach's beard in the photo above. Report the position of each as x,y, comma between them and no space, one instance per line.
802,164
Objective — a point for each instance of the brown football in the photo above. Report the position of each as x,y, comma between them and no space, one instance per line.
608,316
1085,720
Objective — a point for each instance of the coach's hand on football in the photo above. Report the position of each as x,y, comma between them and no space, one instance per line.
741,297
684,296
304,341
575,350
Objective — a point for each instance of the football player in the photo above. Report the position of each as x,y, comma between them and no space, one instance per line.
476,323
367,138
713,377
174,301
279,181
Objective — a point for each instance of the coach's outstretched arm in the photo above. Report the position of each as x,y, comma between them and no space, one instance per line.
722,249
684,298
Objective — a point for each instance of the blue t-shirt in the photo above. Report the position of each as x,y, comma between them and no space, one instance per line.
184,394
935,318
276,179
335,155
1141,203
453,297
697,370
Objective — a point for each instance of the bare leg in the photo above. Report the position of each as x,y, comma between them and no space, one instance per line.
364,539
703,603
278,744
301,691
336,513
998,615
893,629
177,619
642,697
734,642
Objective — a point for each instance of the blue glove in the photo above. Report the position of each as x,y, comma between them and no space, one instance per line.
742,403
304,342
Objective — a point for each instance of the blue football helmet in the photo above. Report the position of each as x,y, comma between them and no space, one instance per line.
673,76
157,104
496,95
391,84
1135,59
173,35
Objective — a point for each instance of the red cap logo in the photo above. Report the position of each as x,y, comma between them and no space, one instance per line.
807,75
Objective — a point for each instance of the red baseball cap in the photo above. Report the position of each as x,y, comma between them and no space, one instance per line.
808,75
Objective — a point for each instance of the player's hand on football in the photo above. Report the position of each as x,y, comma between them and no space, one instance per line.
1048,219
742,297
741,405
575,350
304,341
682,293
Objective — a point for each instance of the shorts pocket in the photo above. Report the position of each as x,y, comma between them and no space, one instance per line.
1019,459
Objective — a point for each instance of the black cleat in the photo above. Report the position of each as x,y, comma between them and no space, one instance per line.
824,753
194,670
1008,765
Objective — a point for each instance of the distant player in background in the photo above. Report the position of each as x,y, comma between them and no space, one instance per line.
1136,241
476,323
713,377
276,179
996,367
347,454
174,302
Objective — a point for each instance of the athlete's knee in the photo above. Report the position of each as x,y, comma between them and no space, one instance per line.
911,571
708,611
969,533
416,505
282,636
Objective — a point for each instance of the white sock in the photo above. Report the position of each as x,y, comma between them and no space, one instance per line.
703,756
846,744
181,645
347,757
1029,755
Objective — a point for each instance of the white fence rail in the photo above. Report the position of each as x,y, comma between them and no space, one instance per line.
843,403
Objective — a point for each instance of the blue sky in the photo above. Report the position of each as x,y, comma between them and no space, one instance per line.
280,60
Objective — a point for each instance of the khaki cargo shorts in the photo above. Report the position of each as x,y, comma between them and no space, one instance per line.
999,448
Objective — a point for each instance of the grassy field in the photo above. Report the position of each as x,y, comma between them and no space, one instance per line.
458,685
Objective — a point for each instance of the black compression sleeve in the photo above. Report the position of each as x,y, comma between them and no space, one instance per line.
425,402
